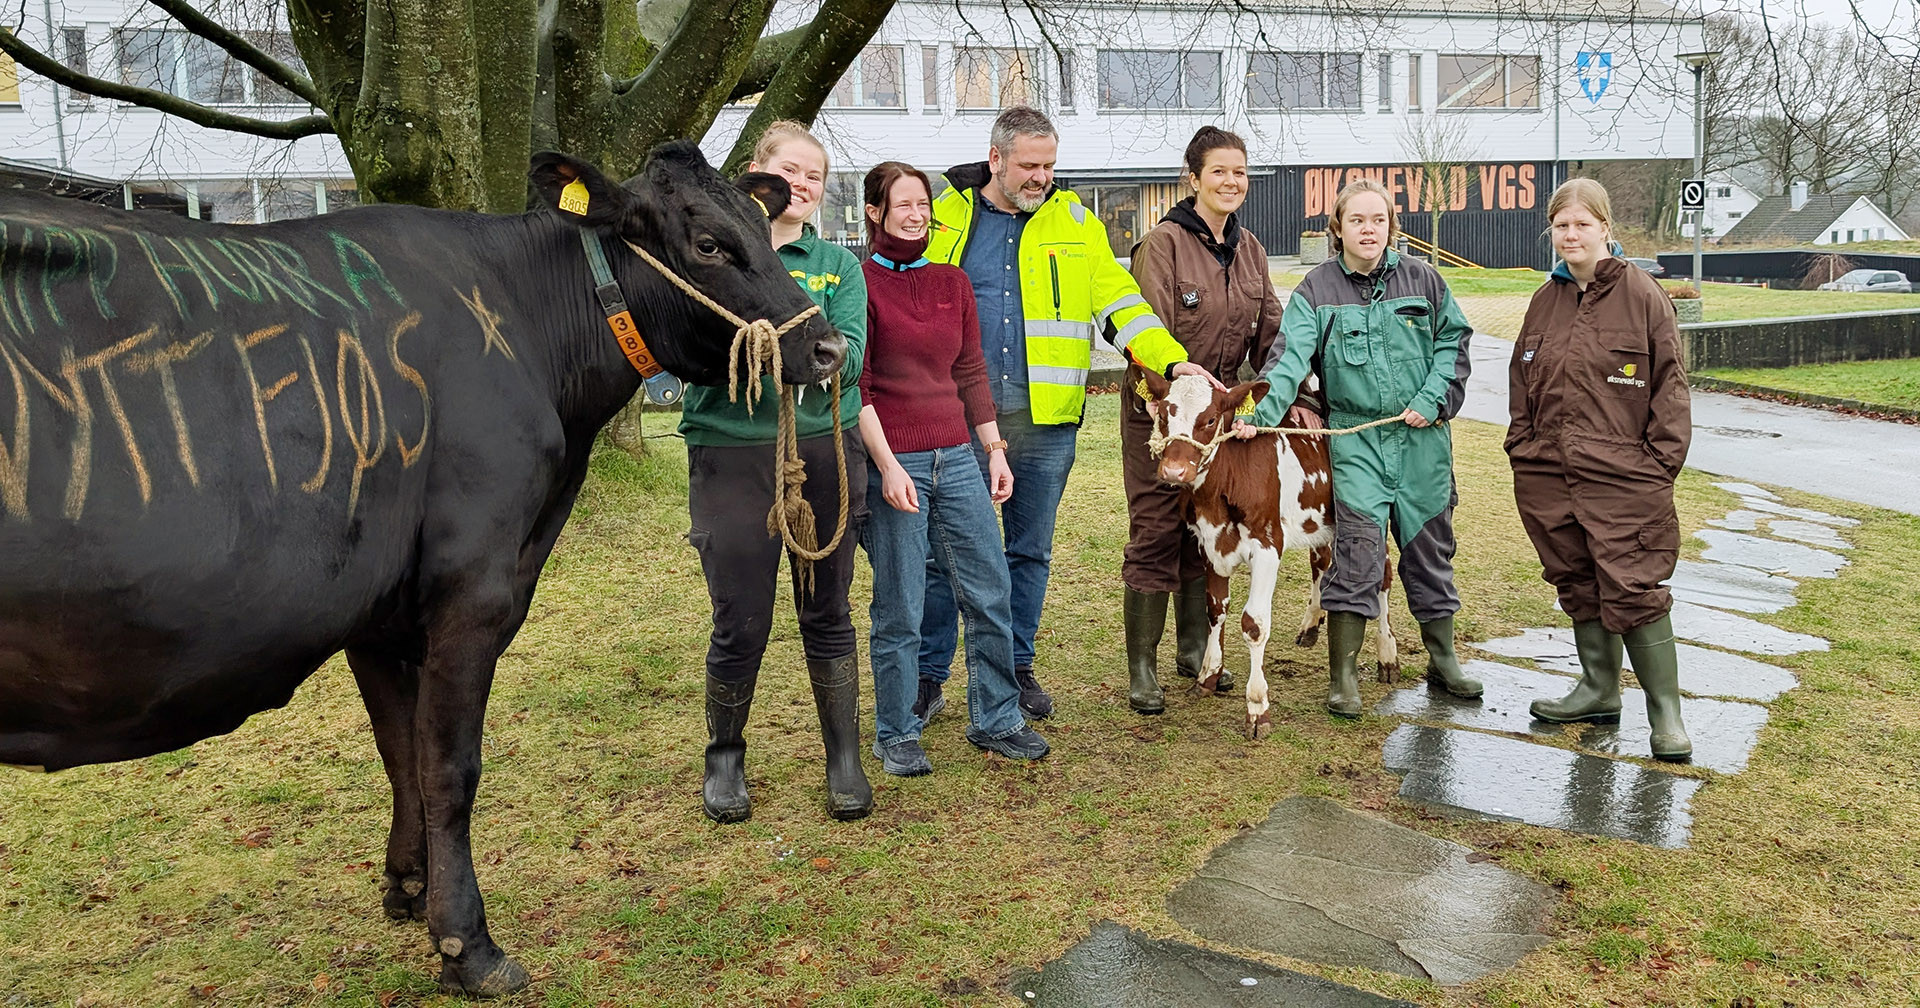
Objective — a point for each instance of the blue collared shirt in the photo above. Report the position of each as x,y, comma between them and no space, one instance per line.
992,262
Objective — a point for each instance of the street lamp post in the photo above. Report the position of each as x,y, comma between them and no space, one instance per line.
1697,62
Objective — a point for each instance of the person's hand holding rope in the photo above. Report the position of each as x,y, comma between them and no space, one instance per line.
1297,416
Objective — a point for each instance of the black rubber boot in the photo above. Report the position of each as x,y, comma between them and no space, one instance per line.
724,792
1596,697
1443,666
1345,633
1656,663
1191,625
1146,622
836,695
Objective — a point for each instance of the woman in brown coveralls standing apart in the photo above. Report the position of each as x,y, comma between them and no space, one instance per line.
1601,424
1206,277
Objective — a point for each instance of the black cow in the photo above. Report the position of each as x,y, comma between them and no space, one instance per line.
229,453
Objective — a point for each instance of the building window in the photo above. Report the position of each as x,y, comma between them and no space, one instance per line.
873,81
188,66
1065,77
1283,80
930,77
1385,61
1736,214
994,78
1158,79
1413,82
1834,238
1489,82
1724,192
9,79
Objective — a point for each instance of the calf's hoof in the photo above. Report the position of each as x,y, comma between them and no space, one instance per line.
477,976
404,897
1260,727
1308,637
1389,672
1206,685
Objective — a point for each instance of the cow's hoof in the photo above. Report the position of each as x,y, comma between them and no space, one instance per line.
1308,637
404,897
1389,672
489,977
1206,686
1260,727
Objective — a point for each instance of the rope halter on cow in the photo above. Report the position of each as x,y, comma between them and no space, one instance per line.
758,343
1223,432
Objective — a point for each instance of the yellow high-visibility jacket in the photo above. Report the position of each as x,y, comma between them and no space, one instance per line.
1071,289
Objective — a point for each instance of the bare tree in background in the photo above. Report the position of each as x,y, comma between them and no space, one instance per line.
1441,148
441,104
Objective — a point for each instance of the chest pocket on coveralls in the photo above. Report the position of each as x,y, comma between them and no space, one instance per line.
1621,369
1347,337
1410,336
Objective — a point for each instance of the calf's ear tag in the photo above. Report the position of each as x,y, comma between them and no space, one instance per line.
1245,408
573,198
1140,389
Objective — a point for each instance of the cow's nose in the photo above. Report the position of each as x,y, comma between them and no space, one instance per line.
828,353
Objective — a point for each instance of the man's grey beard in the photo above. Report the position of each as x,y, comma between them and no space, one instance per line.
1019,198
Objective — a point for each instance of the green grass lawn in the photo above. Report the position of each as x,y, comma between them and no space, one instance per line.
1884,383
244,871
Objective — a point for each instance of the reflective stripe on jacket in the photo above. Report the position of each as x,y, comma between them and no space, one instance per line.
1071,288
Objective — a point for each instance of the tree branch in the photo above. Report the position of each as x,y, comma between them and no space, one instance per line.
688,80
835,37
768,55
193,112
241,49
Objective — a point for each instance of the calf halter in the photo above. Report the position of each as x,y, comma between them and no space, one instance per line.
791,517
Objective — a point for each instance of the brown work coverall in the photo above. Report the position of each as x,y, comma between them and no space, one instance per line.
1601,420
1223,315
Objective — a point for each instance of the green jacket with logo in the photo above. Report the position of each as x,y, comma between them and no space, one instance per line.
1381,343
831,277
1071,289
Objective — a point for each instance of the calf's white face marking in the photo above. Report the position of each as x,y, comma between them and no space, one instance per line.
1189,398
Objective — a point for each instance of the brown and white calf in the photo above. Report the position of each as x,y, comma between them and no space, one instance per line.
1253,500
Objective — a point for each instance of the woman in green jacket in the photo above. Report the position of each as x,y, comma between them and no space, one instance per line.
730,458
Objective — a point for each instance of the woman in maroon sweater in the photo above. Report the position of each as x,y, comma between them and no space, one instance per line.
923,386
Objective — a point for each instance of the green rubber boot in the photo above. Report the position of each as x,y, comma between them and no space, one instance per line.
1443,666
1345,633
1146,621
1596,697
1657,665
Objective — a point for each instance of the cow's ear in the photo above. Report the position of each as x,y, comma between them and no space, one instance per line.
578,190
1247,395
766,189
1157,384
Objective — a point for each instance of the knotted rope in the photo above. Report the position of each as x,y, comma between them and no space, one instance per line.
757,343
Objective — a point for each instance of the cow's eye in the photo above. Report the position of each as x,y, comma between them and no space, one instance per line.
707,247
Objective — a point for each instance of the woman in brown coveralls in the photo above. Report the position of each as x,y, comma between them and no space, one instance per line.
1206,277
1601,424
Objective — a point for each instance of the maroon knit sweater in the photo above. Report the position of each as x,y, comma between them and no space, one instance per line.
925,375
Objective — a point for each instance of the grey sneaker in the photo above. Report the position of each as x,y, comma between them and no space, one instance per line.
1023,744
904,758
1034,701
930,702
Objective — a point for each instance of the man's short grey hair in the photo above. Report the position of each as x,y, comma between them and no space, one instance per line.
1020,121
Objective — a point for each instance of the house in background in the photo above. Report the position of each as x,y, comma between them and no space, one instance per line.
1728,203
1823,219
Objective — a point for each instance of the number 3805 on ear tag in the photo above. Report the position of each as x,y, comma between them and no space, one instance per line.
573,198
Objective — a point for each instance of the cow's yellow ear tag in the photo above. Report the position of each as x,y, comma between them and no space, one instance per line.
573,198
1245,408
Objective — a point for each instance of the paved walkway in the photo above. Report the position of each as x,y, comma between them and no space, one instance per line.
1852,458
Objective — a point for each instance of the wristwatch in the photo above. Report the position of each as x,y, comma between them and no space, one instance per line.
994,446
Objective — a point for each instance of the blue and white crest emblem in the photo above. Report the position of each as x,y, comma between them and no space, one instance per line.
1595,69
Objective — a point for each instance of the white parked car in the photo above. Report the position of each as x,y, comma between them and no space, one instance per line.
1889,281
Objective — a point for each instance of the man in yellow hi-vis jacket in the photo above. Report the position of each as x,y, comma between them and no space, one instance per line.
1046,285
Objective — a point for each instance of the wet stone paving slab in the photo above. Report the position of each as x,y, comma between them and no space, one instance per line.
1737,633
1727,586
1116,967
1705,672
1791,559
1507,779
1724,732
1322,883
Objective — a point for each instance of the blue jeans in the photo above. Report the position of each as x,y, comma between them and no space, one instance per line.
1040,456
955,525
